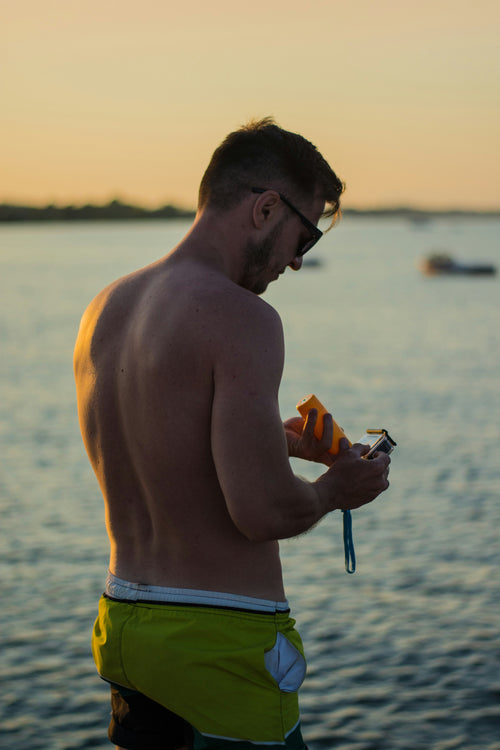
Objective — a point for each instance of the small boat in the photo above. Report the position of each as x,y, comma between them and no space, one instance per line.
311,262
443,263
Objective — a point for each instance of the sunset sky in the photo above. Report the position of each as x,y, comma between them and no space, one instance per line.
106,99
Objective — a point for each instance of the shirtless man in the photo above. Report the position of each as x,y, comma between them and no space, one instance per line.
178,367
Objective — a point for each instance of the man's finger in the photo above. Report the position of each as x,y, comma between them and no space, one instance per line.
310,423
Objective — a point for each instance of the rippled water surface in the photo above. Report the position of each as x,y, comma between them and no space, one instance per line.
405,653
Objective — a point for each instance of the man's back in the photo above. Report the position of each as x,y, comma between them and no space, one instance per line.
145,359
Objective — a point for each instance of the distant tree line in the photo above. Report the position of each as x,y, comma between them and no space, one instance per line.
118,211
115,210
418,214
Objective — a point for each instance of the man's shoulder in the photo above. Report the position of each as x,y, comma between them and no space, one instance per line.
107,311
231,304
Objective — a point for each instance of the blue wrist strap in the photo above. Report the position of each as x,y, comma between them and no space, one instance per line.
350,557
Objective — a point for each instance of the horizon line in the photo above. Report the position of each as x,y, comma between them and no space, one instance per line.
119,209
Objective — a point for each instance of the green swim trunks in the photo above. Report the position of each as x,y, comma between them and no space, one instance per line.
230,672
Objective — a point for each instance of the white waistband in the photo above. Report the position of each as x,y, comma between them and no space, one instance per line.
117,588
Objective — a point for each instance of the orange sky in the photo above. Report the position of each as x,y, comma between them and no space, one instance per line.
115,98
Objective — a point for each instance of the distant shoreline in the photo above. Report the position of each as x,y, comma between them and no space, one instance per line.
118,211
114,211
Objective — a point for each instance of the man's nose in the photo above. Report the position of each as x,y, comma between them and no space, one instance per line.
296,263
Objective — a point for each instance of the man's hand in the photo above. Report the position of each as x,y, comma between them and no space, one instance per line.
353,481
302,443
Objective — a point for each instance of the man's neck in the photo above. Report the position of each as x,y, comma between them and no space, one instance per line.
218,241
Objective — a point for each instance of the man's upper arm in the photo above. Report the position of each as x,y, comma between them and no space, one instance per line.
248,440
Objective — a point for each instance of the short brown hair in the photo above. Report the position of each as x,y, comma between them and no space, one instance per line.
261,154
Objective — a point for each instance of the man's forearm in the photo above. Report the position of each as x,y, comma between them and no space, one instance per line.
292,513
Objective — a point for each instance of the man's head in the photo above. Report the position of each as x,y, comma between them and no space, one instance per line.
263,155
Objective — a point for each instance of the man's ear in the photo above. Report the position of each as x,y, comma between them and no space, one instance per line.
265,207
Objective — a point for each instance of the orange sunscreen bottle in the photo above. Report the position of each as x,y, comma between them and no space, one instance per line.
311,402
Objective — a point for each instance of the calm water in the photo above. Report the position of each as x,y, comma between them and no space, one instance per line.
402,655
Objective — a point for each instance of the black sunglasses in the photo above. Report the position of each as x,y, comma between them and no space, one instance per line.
316,234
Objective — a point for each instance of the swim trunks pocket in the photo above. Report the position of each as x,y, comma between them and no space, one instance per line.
286,665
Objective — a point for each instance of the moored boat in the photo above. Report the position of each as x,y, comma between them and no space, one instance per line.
443,263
